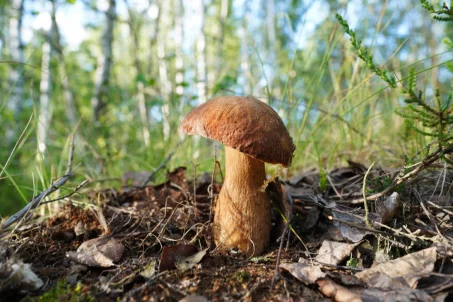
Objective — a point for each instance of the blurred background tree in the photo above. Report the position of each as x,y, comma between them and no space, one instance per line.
120,75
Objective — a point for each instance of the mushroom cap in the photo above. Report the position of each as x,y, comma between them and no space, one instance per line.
245,124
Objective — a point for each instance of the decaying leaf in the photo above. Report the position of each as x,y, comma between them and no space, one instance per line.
18,276
101,251
185,263
150,270
170,254
337,292
389,207
304,271
333,253
194,298
400,295
409,267
345,223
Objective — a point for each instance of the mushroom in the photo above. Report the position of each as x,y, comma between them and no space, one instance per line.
253,134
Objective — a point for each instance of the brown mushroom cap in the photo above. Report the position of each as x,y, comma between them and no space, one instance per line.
245,124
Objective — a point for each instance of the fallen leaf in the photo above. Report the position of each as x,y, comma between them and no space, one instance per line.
101,251
332,252
345,223
185,263
389,208
410,267
170,254
305,272
337,292
19,276
401,295
150,270
194,298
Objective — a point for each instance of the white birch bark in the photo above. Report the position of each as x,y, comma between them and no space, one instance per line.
245,58
45,114
16,46
272,49
165,84
224,5
201,57
134,29
179,36
102,76
71,110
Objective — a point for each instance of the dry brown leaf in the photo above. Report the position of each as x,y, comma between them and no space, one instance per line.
347,228
170,254
101,251
400,295
410,267
185,263
332,252
337,292
305,272
194,298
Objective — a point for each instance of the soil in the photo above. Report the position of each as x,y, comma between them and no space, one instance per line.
157,225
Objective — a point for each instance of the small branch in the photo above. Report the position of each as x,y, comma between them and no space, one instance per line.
282,239
161,165
36,201
365,203
426,163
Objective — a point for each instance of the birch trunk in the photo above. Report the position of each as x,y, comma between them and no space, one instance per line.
45,114
201,58
16,46
272,49
224,5
153,38
102,76
179,36
71,110
165,84
245,60
134,28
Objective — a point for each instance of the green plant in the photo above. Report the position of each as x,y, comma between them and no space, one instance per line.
432,119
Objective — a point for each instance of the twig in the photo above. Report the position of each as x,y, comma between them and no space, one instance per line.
69,195
365,203
282,239
426,163
36,201
160,166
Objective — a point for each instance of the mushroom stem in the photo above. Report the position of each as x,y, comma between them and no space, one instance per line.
242,213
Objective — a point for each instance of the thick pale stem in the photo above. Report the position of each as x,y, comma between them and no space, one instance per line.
242,214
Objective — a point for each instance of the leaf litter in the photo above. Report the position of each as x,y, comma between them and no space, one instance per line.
154,243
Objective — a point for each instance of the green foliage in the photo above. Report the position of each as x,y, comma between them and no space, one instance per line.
63,292
363,53
441,12
433,119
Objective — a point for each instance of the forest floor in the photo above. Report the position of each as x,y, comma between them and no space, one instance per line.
154,243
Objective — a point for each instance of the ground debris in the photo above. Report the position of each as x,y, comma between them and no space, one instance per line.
166,251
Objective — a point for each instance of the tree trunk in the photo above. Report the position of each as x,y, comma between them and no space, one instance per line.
165,84
245,58
134,28
179,36
272,57
201,58
101,81
153,37
71,110
223,14
16,46
45,114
